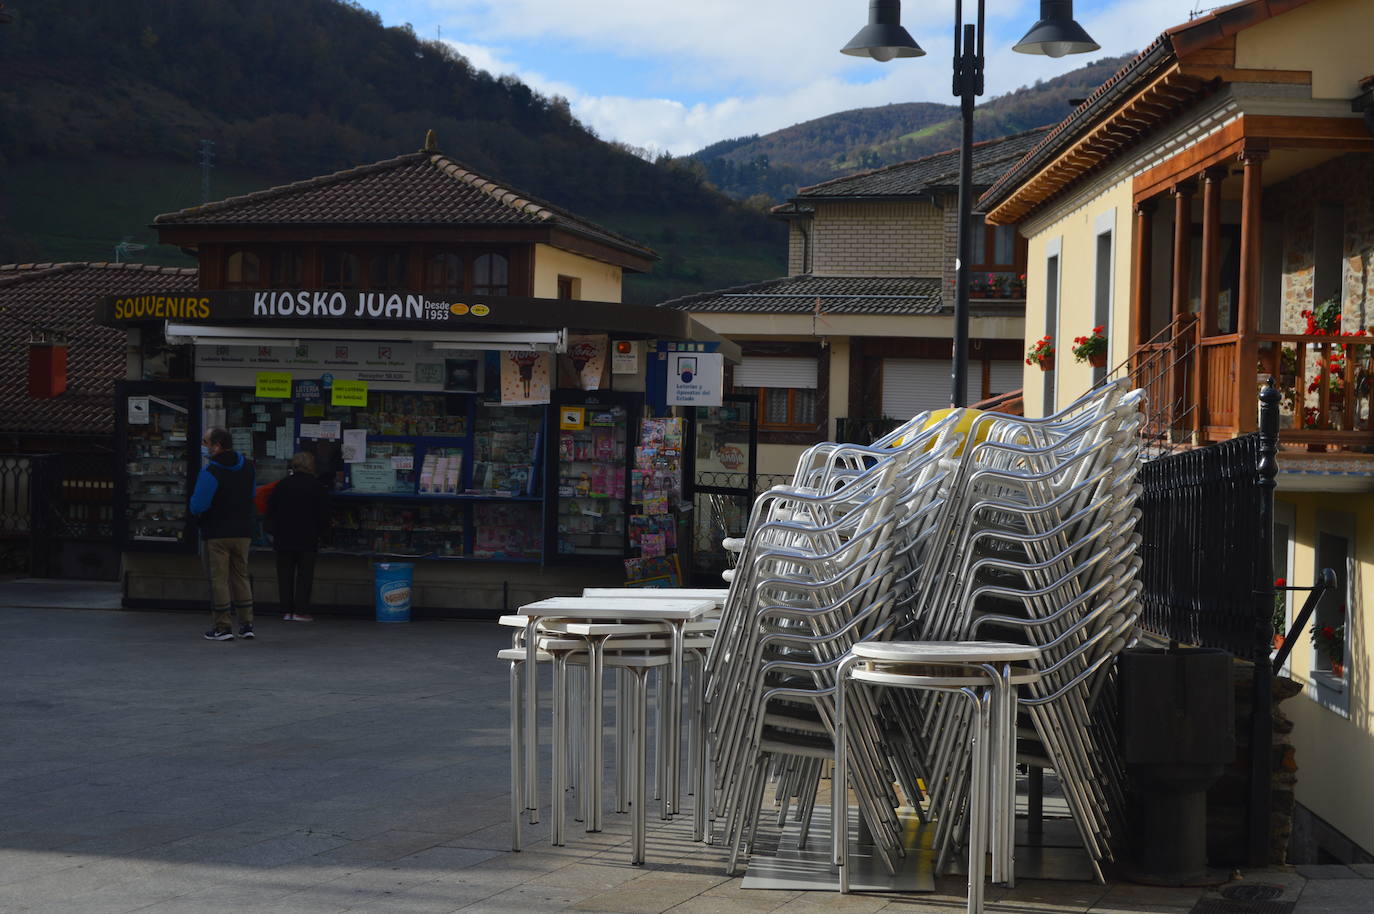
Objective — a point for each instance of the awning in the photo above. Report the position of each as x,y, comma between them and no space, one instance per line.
485,322
248,335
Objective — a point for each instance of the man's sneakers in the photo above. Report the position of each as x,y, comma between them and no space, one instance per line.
246,630
298,617
219,634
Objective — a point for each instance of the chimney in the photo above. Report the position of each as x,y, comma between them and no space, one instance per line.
47,364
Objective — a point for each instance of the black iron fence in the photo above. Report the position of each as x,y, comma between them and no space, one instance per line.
1207,572
1206,546
57,514
850,430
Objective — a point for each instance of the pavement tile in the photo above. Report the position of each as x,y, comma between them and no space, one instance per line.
531,898
1366,870
386,846
650,893
1326,871
1336,896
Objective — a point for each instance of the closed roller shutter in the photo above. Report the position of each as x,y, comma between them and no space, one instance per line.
912,386
782,371
1004,377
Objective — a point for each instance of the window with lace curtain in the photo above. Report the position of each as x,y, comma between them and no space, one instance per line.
786,387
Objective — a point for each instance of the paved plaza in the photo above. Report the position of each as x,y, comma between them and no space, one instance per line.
345,765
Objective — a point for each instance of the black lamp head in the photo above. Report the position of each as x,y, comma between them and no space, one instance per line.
883,38
1056,34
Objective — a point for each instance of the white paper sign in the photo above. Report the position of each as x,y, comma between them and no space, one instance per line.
138,411
354,445
329,429
403,461
695,378
311,430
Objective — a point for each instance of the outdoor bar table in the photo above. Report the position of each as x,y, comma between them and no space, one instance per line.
625,608
718,594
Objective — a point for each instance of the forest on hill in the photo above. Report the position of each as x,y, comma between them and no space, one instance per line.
104,94
776,164
106,109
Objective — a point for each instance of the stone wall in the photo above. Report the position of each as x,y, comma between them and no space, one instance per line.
1228,800
1349,181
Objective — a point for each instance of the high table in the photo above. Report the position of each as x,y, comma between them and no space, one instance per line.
627,606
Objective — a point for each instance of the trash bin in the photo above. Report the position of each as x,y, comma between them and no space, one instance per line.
1177,734
392,583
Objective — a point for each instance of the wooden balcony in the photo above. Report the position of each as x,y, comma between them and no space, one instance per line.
1198,391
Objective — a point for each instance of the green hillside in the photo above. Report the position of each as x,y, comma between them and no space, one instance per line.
103,107
777,164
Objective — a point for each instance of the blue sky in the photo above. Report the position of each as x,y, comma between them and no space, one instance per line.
676,76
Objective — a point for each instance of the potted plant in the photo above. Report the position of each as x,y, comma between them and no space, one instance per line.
1091,348
977,287
1329,640
997,285
1042,353
1325,319
1280,615
1016,287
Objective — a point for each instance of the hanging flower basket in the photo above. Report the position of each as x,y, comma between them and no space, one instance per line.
1091,348
1042,353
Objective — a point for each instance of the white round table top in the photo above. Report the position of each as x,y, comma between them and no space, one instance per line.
945,651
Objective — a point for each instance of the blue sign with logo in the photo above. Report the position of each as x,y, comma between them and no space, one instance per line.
326,380
307,391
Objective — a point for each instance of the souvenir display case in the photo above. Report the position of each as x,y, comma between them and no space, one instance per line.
158,437
590,473
656,487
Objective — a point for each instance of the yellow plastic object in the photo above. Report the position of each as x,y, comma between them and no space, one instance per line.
962,427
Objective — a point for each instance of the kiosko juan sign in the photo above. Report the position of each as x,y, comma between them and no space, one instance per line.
245,306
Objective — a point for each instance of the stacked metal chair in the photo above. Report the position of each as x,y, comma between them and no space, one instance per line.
974,526
815,576
1038,547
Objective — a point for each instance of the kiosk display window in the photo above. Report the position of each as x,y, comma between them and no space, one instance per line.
591,483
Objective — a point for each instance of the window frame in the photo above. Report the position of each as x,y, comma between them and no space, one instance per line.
811,433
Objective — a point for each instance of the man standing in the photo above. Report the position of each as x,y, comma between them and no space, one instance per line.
223,503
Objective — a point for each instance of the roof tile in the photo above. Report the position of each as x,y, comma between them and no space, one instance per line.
60,297
418,188
832,294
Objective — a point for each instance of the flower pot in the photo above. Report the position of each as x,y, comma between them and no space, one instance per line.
1278,642
1047,363
1338,670
1098,360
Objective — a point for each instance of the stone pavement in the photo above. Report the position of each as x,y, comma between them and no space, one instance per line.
344,765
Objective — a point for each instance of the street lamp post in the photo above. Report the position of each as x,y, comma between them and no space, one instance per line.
1055,35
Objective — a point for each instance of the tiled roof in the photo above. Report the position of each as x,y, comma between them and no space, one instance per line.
419,188
835,294
60,298
1217,24
991,159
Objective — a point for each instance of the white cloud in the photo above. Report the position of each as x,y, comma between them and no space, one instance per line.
714,69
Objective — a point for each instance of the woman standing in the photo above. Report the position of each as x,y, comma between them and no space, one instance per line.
297,515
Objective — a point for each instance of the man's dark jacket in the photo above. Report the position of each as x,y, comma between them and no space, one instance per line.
223,497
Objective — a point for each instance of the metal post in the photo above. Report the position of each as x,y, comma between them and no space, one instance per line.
968,85
1262,698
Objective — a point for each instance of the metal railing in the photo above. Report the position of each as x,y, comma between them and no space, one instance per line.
858,430
1207,520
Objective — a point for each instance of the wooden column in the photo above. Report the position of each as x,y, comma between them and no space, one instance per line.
1248,304
1209,288
1143,267
1183,246
1211,248
1182,363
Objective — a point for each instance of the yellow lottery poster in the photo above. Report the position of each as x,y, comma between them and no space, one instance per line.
348,393
273,384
